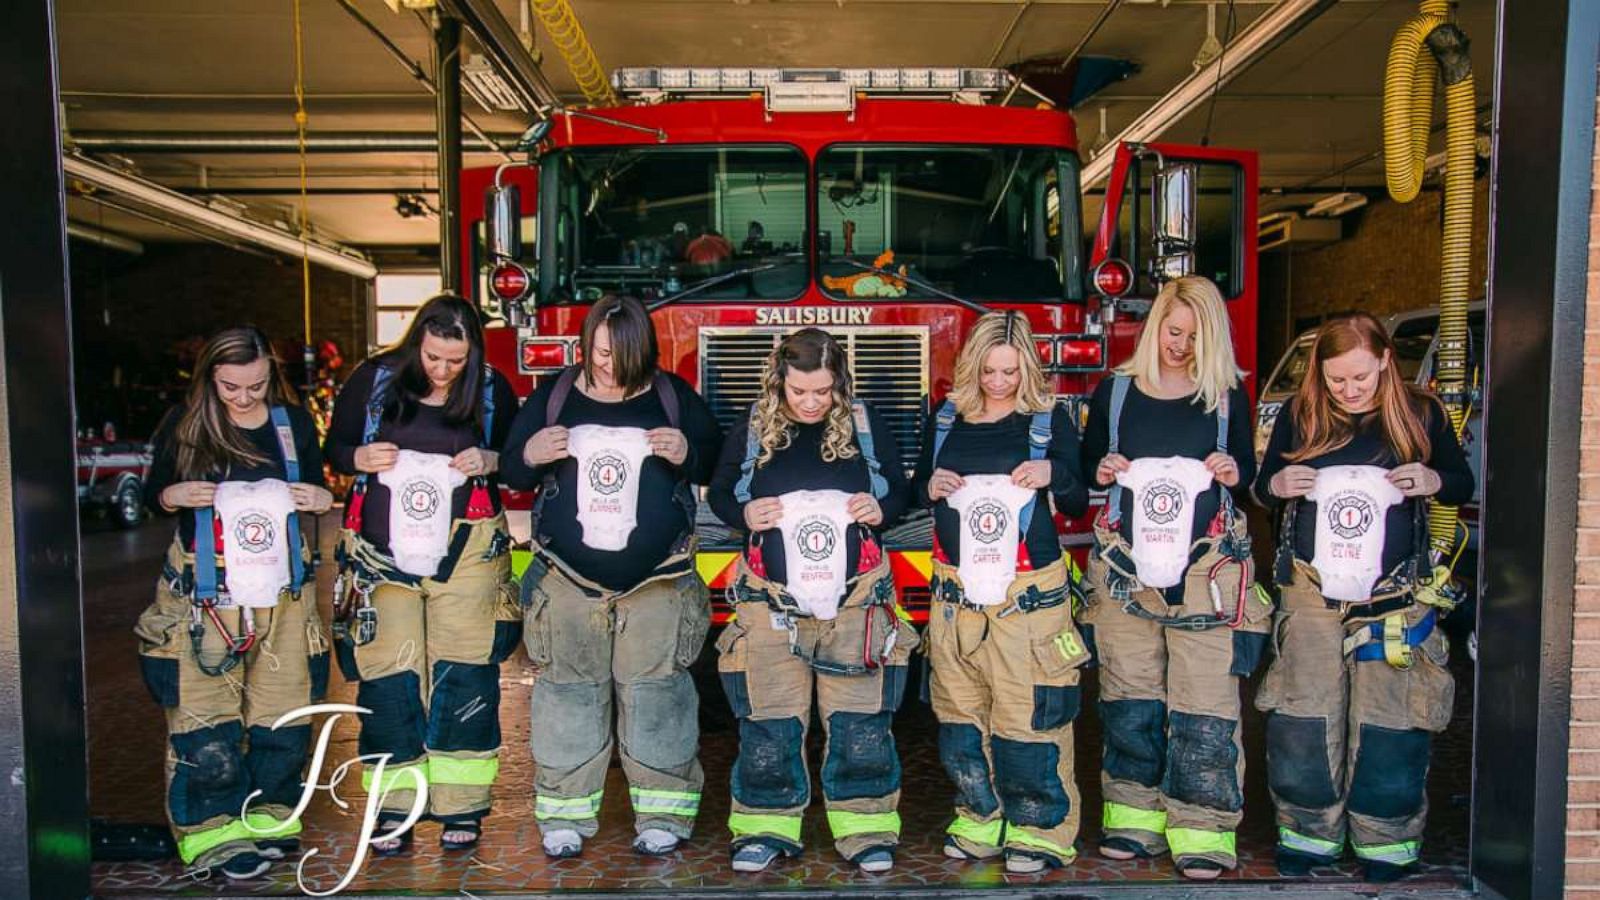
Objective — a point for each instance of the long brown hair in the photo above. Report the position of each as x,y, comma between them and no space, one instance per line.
634,352
807,350
1402,408
451,318
208,442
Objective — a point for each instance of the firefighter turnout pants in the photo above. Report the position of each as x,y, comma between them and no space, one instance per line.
1349,734
431,672
1005,690
221,745
1172,769
769,660
600,650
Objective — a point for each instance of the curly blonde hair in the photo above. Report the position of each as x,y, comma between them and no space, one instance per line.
1000,329
807,350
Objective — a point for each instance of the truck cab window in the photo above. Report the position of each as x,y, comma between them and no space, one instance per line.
655,222
983,223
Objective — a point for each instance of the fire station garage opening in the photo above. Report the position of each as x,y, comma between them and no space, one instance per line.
889,172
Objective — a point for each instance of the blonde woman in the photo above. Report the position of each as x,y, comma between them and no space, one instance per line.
1173,610
1004,651
813,474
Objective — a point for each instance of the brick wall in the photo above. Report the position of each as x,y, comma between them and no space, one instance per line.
136,319
1388,262
1583,770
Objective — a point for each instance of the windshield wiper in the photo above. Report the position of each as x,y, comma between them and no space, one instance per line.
978,308
713,281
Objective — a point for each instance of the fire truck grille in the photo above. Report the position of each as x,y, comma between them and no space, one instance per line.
889,365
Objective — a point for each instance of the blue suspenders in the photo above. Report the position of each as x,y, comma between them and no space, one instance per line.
1119,398
205,536
1038,445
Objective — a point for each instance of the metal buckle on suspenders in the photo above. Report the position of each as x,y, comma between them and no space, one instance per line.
207,595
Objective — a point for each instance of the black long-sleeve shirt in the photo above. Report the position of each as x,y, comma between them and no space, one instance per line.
1151,427
1367,447
799,467
997,448
164,468
427,432
661,520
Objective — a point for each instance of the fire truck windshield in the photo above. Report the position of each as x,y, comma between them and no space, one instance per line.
982,223
657,221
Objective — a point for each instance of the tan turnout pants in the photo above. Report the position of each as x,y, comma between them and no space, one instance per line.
1005,690
633,649
431,675
1172,772
221,743
770,686
1349,739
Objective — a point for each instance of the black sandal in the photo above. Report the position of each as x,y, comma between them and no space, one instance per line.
473,828
404,840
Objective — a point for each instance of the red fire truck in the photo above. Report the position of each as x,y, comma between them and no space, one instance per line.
891,206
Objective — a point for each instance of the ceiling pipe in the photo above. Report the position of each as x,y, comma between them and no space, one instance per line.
92,235
1264,35
192,212
271,142
504,48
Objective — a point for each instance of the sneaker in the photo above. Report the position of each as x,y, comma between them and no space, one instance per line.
1025,863
875,862
562,843
244,866
655,842
755,857
954,851
278,848
1295,864
1121,848
1384,872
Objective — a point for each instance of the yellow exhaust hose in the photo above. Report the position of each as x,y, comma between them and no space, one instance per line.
568,35
1424,48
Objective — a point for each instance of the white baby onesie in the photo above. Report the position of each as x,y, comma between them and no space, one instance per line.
990,508
420,485
815,525
255,539
1352,505
1163,490
608,482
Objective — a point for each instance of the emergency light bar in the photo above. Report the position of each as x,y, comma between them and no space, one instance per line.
652,80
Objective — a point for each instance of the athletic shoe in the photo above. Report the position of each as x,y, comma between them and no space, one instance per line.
562,843
244,866
655,842
755,856
875,862
1025,863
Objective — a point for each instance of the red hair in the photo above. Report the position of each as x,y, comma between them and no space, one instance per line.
1320,422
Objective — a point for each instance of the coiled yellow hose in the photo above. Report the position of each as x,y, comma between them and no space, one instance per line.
1415,59
573,45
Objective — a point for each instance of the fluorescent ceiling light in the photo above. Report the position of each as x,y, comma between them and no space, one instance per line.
1337,204
185,209
1264,34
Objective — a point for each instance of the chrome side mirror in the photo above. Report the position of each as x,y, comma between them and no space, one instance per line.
1174,196
502,217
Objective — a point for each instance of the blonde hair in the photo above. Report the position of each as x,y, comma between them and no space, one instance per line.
1000,329
807,350
1212,366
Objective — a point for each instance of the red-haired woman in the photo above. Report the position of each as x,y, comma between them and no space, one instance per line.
1359,683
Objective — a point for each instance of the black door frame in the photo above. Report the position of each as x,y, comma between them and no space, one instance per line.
1539,221
1538,262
